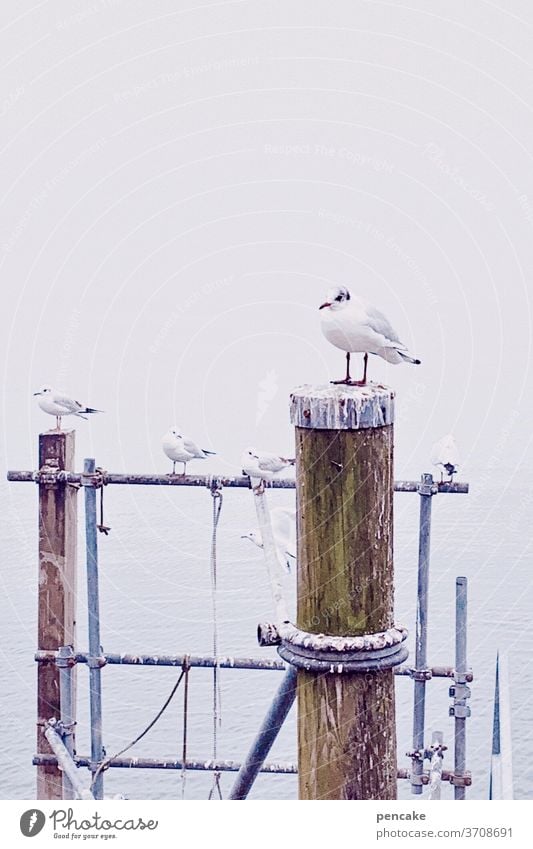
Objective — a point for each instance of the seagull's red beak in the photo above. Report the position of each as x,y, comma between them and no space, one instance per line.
322,306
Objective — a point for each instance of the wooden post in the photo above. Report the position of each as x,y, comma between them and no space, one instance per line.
344,490
57,586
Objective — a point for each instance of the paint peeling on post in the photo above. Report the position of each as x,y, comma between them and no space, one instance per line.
344,492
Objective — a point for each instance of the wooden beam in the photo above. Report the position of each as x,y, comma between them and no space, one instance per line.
57,587
344,490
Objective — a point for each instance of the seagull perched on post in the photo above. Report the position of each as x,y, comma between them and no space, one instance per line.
57,404
445,456
262,465
283,522
181,449
354,326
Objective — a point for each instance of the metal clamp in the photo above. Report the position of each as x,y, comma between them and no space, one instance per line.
268,634
96,479
464,780
65,657
328,653
421,674
96,662
427,486
50,475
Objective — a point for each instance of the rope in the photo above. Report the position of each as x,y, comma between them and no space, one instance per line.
105,763
217,507
186,668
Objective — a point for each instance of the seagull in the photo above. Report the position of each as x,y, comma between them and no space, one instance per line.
445,455
181,449
283,522
351,324
59,405
262,465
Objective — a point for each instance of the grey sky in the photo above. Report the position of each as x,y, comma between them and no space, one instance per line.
182,185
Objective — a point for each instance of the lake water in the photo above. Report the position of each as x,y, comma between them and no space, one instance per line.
156,597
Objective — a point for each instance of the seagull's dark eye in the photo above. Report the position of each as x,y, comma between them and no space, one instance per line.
339,298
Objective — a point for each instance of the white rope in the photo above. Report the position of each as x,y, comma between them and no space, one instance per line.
216,492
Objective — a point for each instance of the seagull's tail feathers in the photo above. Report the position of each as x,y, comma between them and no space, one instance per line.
211,453
91,410
289,460
408,358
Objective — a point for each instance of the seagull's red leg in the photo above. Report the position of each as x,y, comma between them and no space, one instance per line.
347,380
365,360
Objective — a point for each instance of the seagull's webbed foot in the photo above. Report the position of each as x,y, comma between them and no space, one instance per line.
348,382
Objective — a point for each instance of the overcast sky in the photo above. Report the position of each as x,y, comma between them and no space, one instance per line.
182,185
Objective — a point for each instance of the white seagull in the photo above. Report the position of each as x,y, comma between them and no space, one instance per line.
181,449
262,465
354,326
57,404
445,456
283,521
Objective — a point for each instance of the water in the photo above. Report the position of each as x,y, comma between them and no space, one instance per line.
156,597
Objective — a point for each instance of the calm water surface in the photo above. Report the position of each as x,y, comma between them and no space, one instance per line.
156,597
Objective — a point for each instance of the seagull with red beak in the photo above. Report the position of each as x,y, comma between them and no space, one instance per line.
354,326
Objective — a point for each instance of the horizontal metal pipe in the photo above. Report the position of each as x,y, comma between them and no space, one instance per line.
205,481
171,763
209,662
199,766
170,660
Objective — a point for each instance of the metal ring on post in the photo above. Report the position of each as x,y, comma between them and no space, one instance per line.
338,655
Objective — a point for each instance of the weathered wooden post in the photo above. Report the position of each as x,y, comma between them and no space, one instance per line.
57,586
344,489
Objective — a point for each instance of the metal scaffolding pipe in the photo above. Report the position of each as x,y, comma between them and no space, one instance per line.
93,605
66,700
63,759
277,713
460,691
426,491
207,661
172,764
206,481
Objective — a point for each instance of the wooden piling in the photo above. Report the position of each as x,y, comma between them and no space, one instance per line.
344,491
57,586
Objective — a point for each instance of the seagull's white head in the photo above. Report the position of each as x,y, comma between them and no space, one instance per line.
44,390
255,537
252,453
175,431
336,299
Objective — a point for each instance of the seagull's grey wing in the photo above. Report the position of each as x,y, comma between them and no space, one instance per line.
69,404
270,462
380,324
192,447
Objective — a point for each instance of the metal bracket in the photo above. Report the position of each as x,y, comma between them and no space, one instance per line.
50,475
427,486
464,780
94,479
96,662
268,634
421,674
460,711
65,657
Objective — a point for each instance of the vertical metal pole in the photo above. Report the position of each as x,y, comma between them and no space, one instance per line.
277,713
93,604
460,691
426,490
65,663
